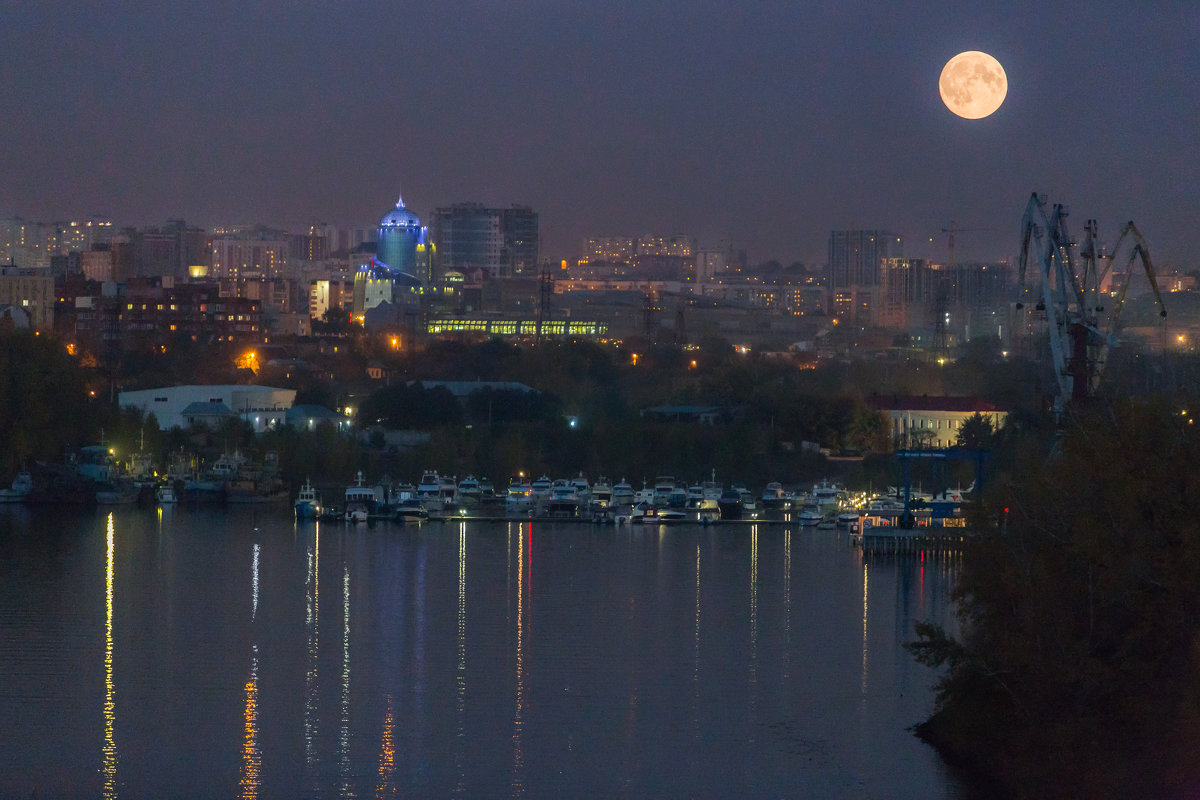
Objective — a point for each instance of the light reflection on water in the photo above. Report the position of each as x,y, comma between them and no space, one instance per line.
110,699
750,661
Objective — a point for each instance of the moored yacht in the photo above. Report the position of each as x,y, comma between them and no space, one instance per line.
622,493
773,496
664,487
540,488
602,492
360,500
469,489
583,489
730,504
430,486
825,494
520,494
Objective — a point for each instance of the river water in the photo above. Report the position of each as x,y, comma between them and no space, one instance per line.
237,653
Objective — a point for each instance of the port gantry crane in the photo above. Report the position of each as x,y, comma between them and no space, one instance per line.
1082,305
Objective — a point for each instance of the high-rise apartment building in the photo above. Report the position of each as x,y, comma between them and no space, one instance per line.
855,256
250,256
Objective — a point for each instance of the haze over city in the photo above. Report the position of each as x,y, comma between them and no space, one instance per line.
765,125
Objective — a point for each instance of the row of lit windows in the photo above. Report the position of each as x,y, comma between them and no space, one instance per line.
525,328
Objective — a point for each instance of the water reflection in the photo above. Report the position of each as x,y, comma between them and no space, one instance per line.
312,604
626,682
251,757
786,659
387,754
109,769
344,732
753,604
696,654
460,675
518,768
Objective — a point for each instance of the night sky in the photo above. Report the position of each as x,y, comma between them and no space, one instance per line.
764,123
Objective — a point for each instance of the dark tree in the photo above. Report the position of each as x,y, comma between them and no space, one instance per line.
1077,672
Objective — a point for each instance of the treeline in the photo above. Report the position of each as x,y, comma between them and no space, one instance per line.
769,409
1077,669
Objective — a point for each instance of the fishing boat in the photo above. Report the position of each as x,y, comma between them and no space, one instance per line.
308,502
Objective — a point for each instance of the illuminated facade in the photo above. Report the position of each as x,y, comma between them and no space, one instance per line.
503,242
403,242
510,327
244,258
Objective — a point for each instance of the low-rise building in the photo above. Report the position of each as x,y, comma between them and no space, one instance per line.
933,421
182,406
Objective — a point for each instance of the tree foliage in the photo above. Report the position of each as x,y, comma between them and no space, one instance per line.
1077,672
45,408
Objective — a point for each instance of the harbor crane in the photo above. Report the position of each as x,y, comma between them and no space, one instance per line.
1082,302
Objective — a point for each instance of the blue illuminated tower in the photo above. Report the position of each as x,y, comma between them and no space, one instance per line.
402,242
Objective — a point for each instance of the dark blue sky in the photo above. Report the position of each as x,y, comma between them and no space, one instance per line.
767,123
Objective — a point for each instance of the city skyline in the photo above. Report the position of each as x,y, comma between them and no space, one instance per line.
767,127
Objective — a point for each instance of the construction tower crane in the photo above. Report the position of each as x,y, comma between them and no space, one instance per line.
950,229
1082,312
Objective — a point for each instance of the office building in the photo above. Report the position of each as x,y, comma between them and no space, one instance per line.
502,242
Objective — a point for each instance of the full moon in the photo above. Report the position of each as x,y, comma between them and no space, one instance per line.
973,84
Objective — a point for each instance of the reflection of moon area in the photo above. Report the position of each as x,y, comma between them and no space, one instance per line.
973,84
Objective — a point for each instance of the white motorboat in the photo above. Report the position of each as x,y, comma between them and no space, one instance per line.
22,487
773,496
749,503
650,514
810,513
164,494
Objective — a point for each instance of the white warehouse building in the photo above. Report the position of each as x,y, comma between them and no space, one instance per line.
263,407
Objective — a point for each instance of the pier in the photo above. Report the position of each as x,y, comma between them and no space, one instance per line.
887,540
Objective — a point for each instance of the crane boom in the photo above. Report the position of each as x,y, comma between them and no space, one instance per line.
1080,325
